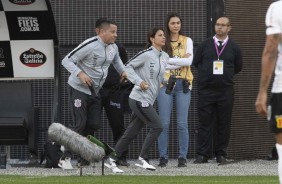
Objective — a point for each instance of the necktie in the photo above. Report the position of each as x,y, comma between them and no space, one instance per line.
220,45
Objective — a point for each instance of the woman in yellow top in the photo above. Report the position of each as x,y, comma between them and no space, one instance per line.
179,84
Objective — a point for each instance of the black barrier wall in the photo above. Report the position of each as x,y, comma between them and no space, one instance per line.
251,137
75,19
136,17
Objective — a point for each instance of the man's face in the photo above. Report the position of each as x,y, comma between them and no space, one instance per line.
222,26
108,33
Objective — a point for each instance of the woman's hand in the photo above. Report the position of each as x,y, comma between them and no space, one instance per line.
144,85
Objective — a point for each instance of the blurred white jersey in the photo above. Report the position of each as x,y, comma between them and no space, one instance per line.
273,23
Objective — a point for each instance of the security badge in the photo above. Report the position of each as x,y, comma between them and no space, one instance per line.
218,67
278,120
218,64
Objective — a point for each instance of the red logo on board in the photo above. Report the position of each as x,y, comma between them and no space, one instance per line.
33,58
22,2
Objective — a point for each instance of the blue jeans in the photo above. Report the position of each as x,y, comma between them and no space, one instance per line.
165,104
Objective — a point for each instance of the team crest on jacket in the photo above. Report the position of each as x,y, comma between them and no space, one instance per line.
77,103
111,54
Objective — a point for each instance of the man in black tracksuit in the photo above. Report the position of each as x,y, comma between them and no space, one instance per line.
217,59
115,100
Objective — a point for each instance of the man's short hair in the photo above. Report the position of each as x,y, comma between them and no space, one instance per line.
101,22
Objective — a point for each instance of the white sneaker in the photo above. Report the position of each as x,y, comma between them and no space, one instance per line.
65,164
113,166
144,164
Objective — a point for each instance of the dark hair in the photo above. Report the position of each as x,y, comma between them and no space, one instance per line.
152,33
228,19
103,21
167,48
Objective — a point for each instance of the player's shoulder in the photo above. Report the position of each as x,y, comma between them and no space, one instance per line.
165,54
276,6
276,3
90,40
143,52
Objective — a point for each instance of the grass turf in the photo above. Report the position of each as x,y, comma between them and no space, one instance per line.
118,179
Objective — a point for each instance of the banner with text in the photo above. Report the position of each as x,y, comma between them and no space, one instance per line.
27,34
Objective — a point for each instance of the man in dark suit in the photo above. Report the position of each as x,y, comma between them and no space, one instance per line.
217,59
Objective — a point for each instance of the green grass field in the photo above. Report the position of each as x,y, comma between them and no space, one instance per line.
114,179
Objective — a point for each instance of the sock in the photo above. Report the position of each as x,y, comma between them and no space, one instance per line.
279,151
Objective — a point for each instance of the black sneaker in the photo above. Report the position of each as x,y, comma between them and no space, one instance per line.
163,162
221,159
82,162
122,162
200,159
182,162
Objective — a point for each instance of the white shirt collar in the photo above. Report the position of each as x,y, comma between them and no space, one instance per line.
224,41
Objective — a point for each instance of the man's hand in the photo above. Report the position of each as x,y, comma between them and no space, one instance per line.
85,79
123,76
261,101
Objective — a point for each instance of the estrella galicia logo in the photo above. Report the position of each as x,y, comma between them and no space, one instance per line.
22,2
33,58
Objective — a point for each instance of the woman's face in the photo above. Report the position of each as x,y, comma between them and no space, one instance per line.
174,25
159,39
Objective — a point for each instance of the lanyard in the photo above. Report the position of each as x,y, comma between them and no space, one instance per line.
216,48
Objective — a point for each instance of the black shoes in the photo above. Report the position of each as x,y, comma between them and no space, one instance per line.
200,159
82,162
221,159
182,162
122,162
163,162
